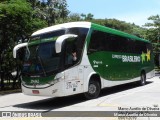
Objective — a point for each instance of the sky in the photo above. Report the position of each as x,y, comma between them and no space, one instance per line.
131,11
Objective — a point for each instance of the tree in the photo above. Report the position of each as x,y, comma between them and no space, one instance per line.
80,17
14,18
16,22
74,17
153,32
38,8
55,11
122,26
87,17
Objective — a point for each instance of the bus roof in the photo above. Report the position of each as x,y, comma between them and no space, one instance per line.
117,32
87,25
63,26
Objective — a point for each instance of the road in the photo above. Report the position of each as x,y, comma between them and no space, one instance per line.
111,99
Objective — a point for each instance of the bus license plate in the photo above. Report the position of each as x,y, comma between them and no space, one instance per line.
35,91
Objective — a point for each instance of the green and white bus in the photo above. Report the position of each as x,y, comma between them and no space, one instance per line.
104,58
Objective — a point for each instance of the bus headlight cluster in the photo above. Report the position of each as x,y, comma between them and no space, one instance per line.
55,81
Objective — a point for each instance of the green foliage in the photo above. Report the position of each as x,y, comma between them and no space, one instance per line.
16,22
74,17
80,17
156,21
121,25
112,23
20,18
54,11
88,16
153,32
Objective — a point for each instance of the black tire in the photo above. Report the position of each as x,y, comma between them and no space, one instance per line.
143,79
93,90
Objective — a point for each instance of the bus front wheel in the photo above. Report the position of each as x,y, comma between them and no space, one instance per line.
93,90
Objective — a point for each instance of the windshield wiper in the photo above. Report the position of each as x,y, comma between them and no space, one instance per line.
40,60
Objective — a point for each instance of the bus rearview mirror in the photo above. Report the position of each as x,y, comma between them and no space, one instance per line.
17,47
61,39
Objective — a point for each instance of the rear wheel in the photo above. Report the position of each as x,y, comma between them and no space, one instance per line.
93,90
143,79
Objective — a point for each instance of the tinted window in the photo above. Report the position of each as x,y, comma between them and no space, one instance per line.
116,43
97,41
101,41
41,59
140,47
79,42
74,46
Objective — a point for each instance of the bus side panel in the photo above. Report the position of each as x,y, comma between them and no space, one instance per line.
112,62
74,80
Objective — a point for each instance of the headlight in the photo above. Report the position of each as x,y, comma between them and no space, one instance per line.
56,80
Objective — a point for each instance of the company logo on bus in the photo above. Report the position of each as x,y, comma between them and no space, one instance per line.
144,57
127,58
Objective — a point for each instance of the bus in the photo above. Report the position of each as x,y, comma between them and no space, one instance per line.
83,57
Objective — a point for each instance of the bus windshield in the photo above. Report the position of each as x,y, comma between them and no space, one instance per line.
41,59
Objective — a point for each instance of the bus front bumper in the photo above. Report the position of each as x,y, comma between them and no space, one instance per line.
55,90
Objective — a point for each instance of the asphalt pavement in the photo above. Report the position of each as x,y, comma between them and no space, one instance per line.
129,97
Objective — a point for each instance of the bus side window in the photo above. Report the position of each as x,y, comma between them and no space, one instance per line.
130,46
70,48
96,41
113,43
140,47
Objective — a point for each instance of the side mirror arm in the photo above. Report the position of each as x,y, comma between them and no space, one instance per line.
59,41
17,47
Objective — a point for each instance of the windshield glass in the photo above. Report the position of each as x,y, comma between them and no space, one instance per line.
41,57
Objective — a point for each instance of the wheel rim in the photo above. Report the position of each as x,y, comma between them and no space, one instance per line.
143,79
92,89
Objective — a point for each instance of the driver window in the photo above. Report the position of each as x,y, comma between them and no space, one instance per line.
70,53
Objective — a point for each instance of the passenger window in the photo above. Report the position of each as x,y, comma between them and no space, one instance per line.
103,41
97,41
